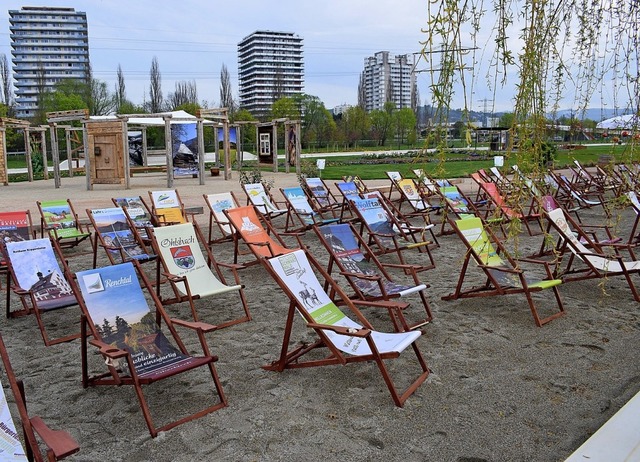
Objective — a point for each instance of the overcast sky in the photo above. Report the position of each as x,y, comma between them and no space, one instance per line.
192,39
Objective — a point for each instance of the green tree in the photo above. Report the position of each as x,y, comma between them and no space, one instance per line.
382,122
285,108
405,122
354,124
318,125
248,131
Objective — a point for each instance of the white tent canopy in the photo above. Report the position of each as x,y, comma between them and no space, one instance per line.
628,121
177,117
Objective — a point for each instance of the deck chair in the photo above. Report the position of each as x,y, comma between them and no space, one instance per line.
346,341
302,216
116,319
386,235
217,219
321,197
59,444
419,204
114,234
366,275
457,205
59,220
592,262
14,226
258,234
191,275
262,200
525,213
355,179
167,207
504,274
38,274
348,190
394,177
138,213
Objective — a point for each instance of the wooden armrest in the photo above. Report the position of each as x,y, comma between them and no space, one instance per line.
203,326
236,266
60,442
503,269
382,304
173,277
109,350
350,331
368,277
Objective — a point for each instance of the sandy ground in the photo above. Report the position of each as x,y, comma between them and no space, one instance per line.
501,389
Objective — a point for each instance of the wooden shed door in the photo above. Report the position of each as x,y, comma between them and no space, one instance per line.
106,151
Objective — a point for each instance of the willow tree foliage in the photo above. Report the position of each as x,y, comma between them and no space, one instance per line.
546,49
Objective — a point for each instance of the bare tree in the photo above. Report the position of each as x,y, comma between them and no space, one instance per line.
226,96
185,93
41,85
121,92
278,83
5,80
155,90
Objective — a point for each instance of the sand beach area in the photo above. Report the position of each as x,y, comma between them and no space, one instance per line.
500,388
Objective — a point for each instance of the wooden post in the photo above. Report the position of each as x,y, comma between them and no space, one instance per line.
55,154
274,146
226,146
168,149
298,147
200,135
67,138
43,148
4,173
125,144
144,146
28,155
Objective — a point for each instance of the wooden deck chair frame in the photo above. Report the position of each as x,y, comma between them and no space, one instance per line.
504,274
59,444
167,207
261,198
14,226
348,190
549,203
595,263
192,274
139,214
394,177
50,286
397,237
337,332
360,184
71,232
119,361
369,277
320,196
302,216
508,211
457,205
124,242
419,203
257,234
216,203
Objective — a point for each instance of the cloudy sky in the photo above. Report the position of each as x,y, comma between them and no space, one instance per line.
192,39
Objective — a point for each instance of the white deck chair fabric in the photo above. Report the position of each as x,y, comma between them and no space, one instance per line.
295,270
180,250
578,248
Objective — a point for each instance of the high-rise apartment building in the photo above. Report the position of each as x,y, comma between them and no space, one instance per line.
388,78
270,67
48,44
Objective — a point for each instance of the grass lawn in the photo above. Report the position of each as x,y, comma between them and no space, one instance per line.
455,165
